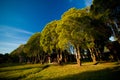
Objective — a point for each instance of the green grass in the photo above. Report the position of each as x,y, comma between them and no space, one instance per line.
103,71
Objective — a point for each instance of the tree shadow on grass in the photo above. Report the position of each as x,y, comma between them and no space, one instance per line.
105,74
23,76
10,64
25,68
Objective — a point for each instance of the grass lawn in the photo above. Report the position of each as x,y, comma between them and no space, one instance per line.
102,71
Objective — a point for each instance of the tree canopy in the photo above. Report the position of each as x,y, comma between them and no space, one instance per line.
80,28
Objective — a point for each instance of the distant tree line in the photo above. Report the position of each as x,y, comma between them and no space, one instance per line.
80,35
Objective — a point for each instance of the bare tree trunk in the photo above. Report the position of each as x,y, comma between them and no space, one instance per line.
39,58
92,52
49,59
20,59
78,56
36,59
59,57
65,58
97,51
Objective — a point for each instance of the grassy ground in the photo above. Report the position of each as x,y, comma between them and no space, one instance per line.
102,71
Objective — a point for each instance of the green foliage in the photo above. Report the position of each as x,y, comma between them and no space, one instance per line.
101,6
32,47
49,37
18,51
72,28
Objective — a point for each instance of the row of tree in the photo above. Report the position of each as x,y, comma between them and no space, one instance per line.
79,34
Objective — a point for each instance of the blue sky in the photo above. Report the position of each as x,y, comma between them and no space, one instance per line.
19,19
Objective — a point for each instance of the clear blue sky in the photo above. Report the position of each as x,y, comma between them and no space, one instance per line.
19,19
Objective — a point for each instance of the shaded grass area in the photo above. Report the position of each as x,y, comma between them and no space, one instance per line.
10,64
20,67
19,72
88,71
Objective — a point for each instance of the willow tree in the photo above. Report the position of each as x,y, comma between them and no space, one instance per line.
33,49
49,38
72,30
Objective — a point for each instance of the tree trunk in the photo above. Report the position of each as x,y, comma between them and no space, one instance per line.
78,56
97,51
49,60
39,58
65,59
65,56
28,60
20,59
92,52
36,59
59,57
